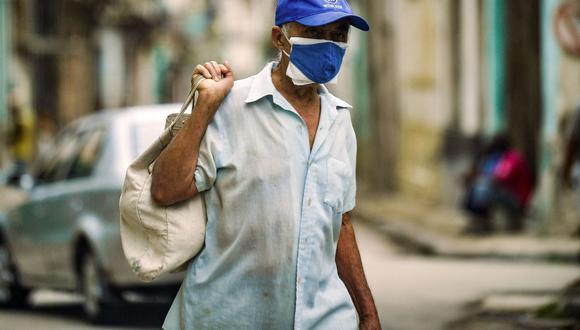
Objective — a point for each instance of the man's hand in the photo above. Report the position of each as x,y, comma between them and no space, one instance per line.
173,175
219,80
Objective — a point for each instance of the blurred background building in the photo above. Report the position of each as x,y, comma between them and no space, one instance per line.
430,82
470,69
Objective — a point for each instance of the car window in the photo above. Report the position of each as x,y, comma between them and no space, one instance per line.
87,155
56,161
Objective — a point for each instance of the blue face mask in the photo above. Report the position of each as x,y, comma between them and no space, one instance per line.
314,60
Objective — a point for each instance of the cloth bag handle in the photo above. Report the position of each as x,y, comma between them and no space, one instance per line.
188,101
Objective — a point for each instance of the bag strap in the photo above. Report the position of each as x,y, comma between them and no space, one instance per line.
188,101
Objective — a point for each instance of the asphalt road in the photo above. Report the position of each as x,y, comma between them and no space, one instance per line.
415,293
55,311
411,292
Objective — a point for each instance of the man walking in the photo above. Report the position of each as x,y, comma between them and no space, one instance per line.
275,157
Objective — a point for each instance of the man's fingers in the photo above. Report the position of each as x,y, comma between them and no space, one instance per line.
224,69
228,66
203,71
229,73
211,70
217,69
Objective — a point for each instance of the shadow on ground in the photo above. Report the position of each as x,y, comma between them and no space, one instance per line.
127,316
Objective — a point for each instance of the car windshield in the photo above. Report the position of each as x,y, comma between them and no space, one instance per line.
144,134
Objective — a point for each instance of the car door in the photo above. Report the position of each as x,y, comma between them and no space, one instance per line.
31,229
77,193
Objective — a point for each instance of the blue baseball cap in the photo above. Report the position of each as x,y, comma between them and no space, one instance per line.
317,13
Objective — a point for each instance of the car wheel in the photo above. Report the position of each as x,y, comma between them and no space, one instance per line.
97,302
12,294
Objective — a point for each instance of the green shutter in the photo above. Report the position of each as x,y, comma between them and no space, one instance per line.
495,26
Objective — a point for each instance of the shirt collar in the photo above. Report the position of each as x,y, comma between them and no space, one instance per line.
338,103
262,86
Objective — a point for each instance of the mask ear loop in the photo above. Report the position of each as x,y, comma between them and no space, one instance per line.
287,39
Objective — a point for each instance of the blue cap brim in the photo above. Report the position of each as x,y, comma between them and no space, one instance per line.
327,18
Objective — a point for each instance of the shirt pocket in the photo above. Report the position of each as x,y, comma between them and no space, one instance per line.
337,176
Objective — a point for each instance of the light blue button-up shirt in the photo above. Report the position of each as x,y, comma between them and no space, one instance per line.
274,210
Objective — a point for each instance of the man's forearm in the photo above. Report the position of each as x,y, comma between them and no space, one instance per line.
173,173
350,271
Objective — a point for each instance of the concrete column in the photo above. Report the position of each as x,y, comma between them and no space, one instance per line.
242,25
144,77
112,69
523,93
453,78
384,102
469,67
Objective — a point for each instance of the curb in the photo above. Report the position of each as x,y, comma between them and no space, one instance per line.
428,242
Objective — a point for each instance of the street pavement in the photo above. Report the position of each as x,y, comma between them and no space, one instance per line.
415,293
61,311
411,292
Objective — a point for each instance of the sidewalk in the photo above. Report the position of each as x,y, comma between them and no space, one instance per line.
524,310
436,230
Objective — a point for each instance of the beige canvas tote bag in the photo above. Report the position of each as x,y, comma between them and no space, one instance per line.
158,239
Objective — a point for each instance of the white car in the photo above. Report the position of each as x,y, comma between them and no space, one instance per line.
66,235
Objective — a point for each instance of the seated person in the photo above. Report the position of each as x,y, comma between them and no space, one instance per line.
502,180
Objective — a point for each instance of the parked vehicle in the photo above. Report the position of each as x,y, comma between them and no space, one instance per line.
13,183
66,235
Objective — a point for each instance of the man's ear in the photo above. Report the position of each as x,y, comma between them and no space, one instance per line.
277,37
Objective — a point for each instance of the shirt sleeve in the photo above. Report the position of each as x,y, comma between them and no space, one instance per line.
211,152
351,147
